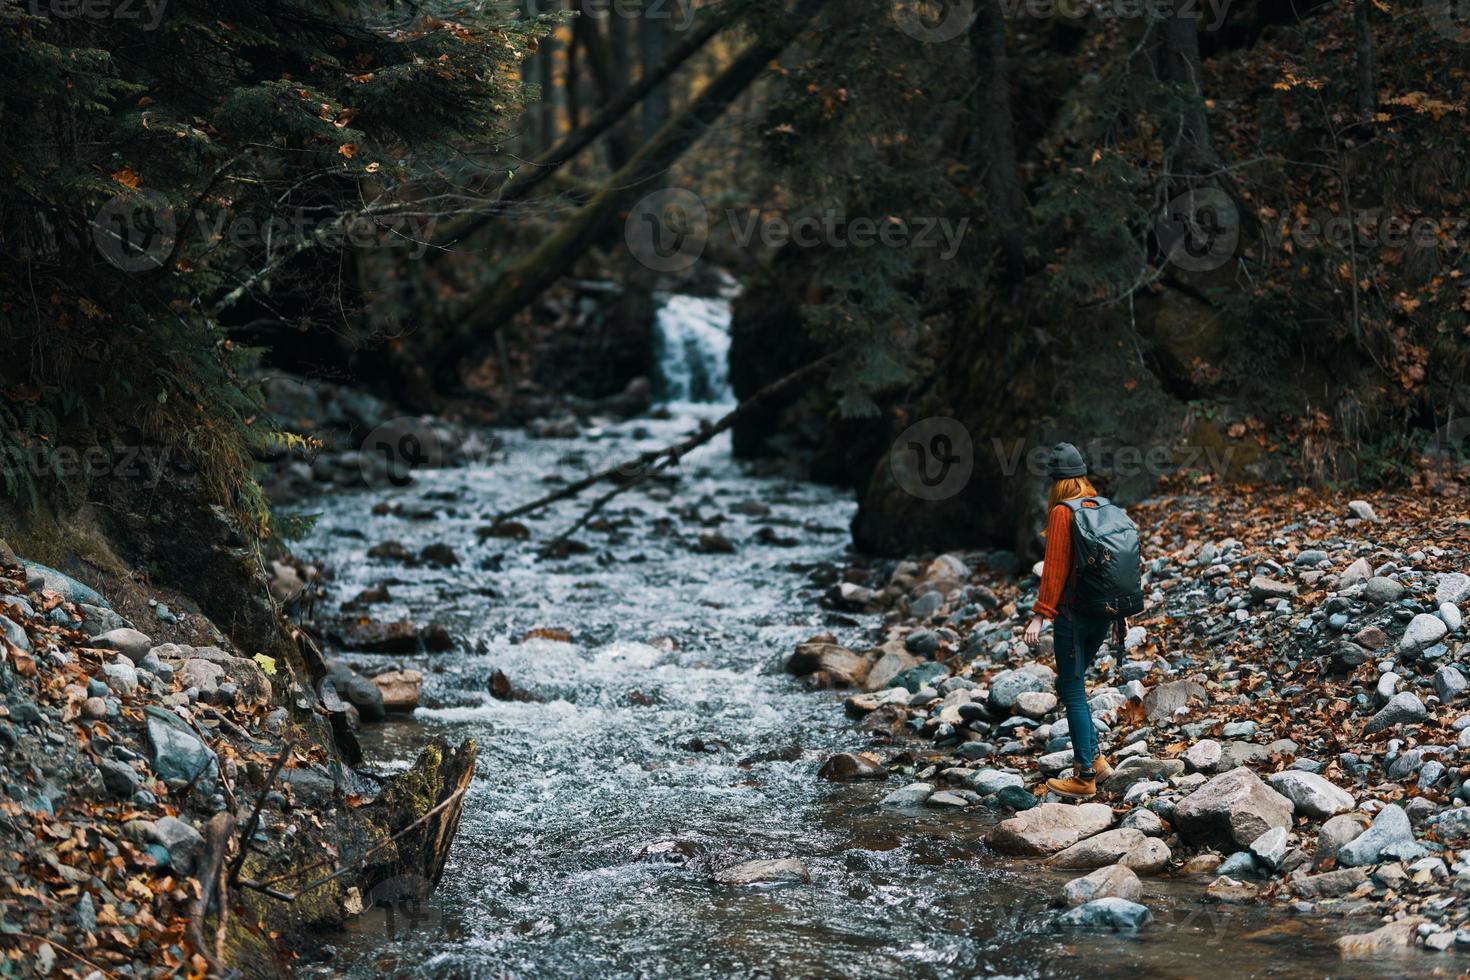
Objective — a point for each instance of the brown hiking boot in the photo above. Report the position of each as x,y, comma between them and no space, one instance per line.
1076,788
1100,765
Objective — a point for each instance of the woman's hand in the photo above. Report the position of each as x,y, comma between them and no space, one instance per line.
1033,631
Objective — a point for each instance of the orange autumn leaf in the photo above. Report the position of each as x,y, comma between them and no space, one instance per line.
127,177
347,149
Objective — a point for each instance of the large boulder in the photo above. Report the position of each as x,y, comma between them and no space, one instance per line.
888,667
1100,850
1231,810
1049,828
1398,934
1310,794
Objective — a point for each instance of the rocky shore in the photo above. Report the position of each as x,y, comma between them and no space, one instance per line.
174,804
1286,720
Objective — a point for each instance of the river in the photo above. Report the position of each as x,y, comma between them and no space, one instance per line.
665,738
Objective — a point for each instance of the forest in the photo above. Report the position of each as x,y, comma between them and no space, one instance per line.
574,487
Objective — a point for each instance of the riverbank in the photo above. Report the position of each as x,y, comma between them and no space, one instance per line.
1286,721
175,803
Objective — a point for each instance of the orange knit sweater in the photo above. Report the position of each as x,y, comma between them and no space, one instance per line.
1057,565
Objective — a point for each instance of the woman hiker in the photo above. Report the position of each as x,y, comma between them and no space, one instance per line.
1076,636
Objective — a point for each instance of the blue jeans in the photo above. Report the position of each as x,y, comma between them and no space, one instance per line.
1076,644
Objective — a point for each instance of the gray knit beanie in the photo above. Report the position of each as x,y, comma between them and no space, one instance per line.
1065,462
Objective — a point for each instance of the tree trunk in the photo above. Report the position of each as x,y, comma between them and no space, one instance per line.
653,33
605,120
523,281
1181,66
1367,87
995,131
546,78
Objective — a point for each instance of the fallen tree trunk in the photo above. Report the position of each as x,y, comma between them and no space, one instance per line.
609,115
635,470
527,278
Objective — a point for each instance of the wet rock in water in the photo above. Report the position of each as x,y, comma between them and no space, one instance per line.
439,554
128,642
1423,631
177,754
1203,864
1171,698
1231,810
1114,881
675,852
910,795
390,551
400,689
1404,708
782,871
1149,857
842,667
1049,828
714,543
1335,833
1329,884
357,691
846,767
946,798
1390,836
1382,591
1114,914
1399,934
1099,850
1227,889
512,530
1310,794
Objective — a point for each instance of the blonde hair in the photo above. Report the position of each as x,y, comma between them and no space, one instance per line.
1069,488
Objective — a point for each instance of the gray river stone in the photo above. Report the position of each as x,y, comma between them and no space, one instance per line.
1116,914
176,752
1391,836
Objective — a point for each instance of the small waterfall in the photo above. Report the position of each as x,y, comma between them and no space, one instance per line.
692,346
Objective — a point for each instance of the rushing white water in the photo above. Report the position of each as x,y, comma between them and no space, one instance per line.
692,344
